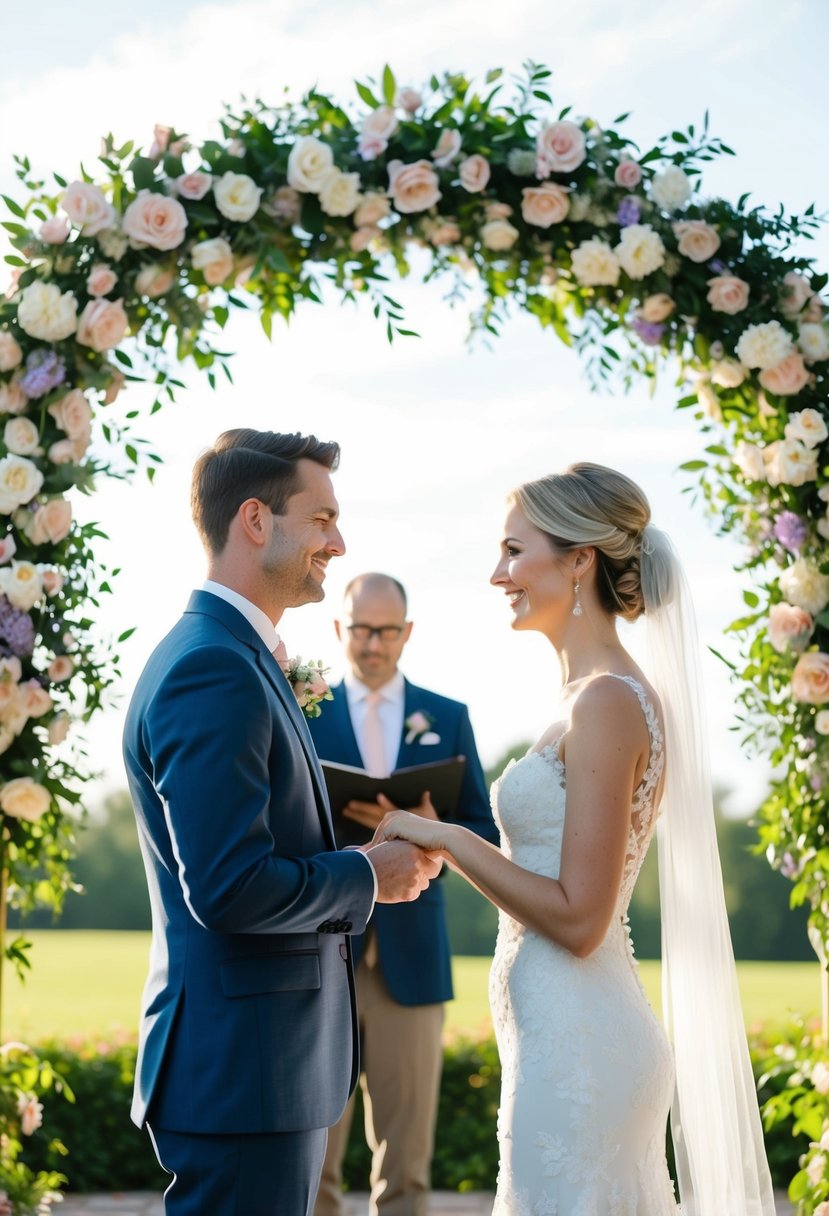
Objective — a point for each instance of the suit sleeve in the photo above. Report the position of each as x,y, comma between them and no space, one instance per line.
473,807
213,742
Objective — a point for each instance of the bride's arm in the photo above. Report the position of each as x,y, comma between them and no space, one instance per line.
606,741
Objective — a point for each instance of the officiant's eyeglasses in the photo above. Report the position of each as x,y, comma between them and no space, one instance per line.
386,633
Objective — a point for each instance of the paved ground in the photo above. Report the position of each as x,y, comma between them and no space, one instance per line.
443,1204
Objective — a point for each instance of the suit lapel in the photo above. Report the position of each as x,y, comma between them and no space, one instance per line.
340,728
407,752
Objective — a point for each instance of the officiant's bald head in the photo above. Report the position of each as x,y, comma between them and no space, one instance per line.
373,628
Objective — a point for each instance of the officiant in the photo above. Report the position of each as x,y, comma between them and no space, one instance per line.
381,722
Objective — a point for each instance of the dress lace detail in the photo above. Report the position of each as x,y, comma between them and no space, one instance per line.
587,1072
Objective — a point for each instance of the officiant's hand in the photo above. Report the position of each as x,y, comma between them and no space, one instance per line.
370,814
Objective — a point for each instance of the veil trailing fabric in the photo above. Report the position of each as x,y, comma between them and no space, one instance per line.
715,1121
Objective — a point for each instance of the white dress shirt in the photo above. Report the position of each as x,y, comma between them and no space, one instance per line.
390,709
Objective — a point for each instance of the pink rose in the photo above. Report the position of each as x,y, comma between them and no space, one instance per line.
447,149
443,232
786,378
475,174
30,1112
373,207
13,400
58,729
193,186
102,324
544,205
789,627
60,668
361,238
117,380
54,231
64,451
408,99
795,293
810,678
8,548
727,293
559,148
628,174
697,240
87,208
36,700
154,280
50,523
11,355
377,129
155,220
72,414
413,187
214,258
101,279
51,579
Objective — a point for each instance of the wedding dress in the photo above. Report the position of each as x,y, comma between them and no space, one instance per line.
587,1070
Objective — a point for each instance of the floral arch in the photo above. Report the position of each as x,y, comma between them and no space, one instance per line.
119,276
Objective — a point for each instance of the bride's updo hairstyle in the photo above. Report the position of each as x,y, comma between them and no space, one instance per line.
589,504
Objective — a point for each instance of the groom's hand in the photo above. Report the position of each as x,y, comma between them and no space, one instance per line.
403,870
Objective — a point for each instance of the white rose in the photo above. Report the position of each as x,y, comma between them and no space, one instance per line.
21,585
764,345
340,193
790,463
640,251
595,264
23,798
237,196
709,400
808,427
214,258
10,353
45,313
813,341
727,373
309,162
671,188
20,481
822,728
499,235
804,586
21,436
748,458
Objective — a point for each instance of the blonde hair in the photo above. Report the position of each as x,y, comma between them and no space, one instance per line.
591,505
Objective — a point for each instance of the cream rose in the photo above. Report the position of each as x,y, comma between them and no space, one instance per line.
20,481
340,193
656,308
155,220
377,129
698,241
795,293
786,378
11,355
808,426
474,174
628,174
50,523
748,458
804,586
87,208
214,258
813,340
54,231
21,585
23,798
544,205
670,189
237,196
60,669
193,186
595,264
559,148
101,279
45,313
21,436
447,149
73,414
640,251
810,678
373,207
113,244
413,187
309,162
154,280
764,345
499,235
103,324
789,627
727,293
708,399
727,373
789,462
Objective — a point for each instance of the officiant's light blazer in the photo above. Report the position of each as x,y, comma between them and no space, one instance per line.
248,1021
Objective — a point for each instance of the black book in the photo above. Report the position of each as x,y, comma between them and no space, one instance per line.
405,787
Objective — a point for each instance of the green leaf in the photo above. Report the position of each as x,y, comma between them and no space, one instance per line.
389,86
693,466
143,172
14,207
366,95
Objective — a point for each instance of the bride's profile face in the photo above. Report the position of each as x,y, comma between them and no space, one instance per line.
537,581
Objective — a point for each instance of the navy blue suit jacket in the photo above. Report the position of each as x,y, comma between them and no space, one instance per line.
412,938
248,1021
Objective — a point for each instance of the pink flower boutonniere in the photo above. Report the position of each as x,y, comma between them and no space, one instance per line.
309,684
417,728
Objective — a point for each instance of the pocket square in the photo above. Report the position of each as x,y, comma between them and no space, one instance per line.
428,738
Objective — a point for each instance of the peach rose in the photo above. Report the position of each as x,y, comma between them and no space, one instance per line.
809,427
408,99
101,279
117,380
810,678
193,186
447,149
58,729
52,579
361,238
214,258
544,205
442,232
102,324
11,356
499,235
475,174
373,208
51,522
12,398
63,452
54,231
795,293
23,798
154,280
559,148
36,700
727,293
628,174
87,208
787,378
378,127
789,627
72,414
413,187
60,668
155,220
697,240
656,308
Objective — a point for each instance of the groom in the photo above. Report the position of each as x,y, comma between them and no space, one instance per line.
248,1047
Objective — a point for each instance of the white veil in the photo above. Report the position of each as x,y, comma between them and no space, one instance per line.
715,1121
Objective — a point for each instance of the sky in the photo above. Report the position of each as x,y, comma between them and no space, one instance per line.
434,432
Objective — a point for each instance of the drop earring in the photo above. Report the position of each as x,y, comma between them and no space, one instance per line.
577,608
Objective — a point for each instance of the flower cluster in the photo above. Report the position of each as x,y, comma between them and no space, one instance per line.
309,685
24,1079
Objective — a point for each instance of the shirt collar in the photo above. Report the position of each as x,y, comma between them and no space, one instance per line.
356,691
258,619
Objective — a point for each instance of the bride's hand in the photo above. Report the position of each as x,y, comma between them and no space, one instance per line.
415,826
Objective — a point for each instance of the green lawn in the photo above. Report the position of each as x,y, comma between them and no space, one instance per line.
89,983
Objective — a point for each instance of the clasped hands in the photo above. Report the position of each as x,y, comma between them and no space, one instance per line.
420,825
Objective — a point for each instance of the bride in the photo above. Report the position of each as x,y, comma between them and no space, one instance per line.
588,1072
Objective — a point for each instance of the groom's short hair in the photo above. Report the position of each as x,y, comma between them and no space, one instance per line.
243,464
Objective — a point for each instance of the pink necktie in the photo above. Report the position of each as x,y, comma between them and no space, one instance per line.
374,741
280,653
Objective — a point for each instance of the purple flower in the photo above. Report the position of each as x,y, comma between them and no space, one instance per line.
629,212
44,371
649,331
17,630
788,866
790,530
717,266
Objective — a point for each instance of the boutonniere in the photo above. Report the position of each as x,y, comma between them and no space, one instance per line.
309,684
417,728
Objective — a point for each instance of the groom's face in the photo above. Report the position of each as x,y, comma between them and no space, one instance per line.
304,539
